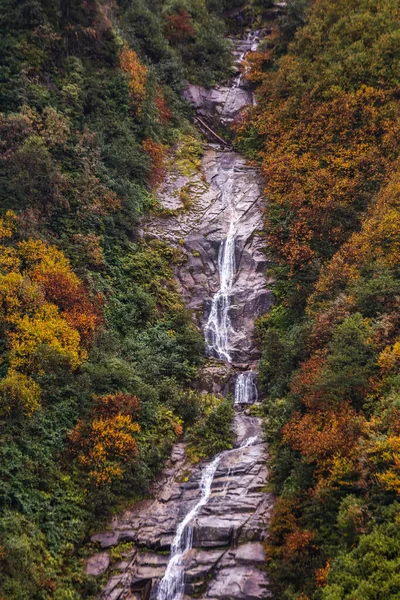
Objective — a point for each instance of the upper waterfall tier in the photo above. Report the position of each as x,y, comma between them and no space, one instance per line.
224,103
223,250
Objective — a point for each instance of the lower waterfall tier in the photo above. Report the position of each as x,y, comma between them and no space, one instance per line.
226,559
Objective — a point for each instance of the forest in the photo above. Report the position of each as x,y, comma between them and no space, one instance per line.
100,358
325,132
98,351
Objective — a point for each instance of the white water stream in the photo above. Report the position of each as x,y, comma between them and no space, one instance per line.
246,388
172,585
219,327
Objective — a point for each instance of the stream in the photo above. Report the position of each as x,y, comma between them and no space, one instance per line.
201,535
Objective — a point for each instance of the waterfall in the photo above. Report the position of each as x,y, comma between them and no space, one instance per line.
246,388
218,327
218,335
172,585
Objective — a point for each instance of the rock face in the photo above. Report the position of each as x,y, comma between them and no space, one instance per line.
227,559
225,180
224,103
200,231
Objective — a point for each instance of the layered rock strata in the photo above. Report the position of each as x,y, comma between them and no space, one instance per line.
227,561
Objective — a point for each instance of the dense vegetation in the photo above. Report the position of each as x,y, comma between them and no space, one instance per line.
98,353
97,349
326,133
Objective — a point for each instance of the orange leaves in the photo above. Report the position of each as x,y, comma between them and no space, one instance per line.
253,65
158,155
328,438
178,429
113,404
106,444
287,540
296,542
317,157
322,434
305,378
48,266
137,76
321,575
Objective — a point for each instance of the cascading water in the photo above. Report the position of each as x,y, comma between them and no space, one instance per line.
246,388
219,327
172,585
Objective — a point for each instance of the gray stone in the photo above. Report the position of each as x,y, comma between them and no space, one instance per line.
250,553
97,564
107,539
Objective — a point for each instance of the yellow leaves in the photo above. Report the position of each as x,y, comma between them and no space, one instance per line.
389,358
39,258
390,478
46,328
8,224
390,481
137,76
341,469
44,312
18,294
19,391
384,456
104,446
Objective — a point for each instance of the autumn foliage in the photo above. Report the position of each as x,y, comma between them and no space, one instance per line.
137,76
179,26
106,444
325,131
158,154
45,308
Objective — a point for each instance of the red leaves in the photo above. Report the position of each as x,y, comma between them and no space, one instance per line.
179,27
119,403
158,154
164,113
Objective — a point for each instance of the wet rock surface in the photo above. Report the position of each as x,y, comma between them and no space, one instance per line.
200,231
227,557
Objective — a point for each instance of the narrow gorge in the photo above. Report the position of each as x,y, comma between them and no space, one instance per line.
201,533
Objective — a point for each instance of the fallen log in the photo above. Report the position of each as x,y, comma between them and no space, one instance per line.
212,132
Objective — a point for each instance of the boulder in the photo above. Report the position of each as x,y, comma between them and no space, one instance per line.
97,564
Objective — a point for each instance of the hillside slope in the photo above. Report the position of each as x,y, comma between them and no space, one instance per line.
326,132
97,348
